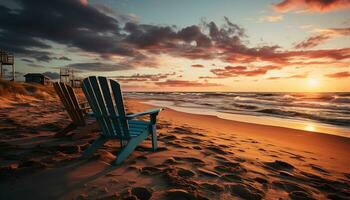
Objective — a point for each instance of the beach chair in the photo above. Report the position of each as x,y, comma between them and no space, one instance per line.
76,111
106,101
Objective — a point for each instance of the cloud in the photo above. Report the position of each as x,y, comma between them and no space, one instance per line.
289,77
197,66
271,18
326,34
143,77
158,39
27,60
184,83
234,71
67,22
344,74
64,58
52,75
31,31
99,67
311,5
312,41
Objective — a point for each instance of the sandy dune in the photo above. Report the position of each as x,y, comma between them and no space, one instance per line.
200,157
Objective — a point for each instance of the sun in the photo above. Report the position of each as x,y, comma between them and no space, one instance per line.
313,82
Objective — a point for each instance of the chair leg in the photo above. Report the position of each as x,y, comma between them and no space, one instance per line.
154,137
66,130
129,148
95,145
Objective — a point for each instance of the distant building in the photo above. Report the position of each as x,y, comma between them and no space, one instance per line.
37,78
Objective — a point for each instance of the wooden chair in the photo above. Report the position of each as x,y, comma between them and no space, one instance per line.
76,111
106,100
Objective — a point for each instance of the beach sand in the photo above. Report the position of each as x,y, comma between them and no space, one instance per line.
199,157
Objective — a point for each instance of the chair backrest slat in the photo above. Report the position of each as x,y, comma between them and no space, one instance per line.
91,97
70,103
63,100
118,97
100,100
75,104
110,106
110,114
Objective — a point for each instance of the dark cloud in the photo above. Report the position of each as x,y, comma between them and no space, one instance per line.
312,5
143,77
198,66
344,74
312,41
27,60
183,83
326,34
67,22
159,39
64,58
234,71
52,75
99,67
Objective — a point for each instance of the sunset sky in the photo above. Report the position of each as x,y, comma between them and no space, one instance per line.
198,45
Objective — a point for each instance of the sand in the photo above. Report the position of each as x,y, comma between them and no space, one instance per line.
199,157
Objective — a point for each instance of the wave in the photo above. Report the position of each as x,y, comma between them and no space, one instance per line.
293,114
329,108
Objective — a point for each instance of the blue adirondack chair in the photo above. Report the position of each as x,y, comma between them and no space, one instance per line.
114,123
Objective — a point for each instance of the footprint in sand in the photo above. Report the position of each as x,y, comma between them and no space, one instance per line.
319,169
246,191
192,140
230,168
207,173
181,194
295,191
212,187
195,161
151,171
279,165
217,150
185,172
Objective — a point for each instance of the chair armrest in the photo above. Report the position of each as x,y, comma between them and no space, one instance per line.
148,112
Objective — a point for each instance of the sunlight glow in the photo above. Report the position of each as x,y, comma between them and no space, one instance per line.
310,127
313,82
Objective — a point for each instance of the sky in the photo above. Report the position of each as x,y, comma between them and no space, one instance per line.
198,45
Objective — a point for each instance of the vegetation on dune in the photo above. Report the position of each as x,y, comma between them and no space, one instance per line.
8,88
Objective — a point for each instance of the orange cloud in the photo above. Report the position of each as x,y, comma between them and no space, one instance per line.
288,77
183,83
339,75
321,38
143,77
234,71
311,5
312,41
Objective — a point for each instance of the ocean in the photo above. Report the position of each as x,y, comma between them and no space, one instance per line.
318,112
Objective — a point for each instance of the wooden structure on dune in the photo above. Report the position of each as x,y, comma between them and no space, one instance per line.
7,58
37,78
68,77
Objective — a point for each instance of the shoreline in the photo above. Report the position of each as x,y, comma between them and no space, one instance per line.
328,146
297,124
